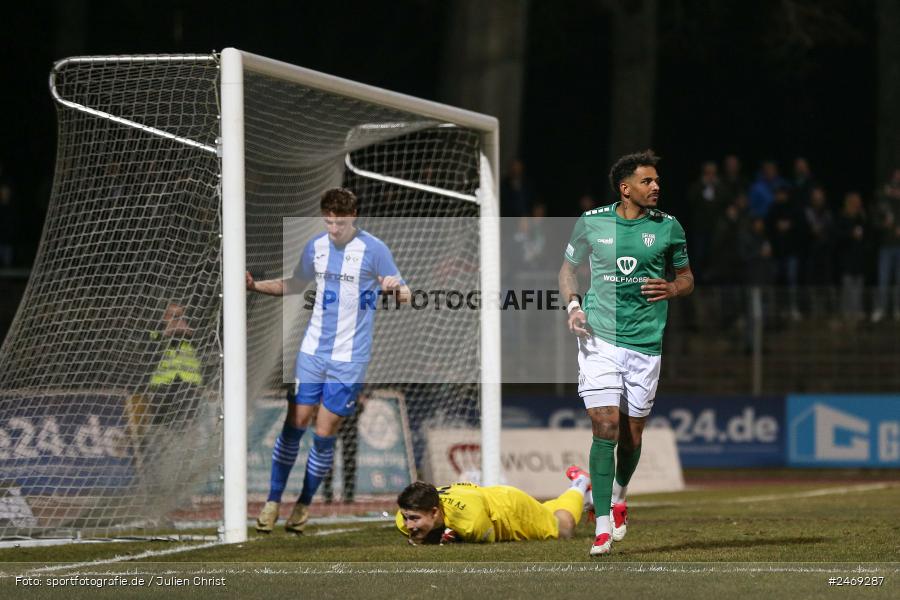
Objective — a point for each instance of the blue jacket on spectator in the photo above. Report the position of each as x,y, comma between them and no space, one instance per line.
762,195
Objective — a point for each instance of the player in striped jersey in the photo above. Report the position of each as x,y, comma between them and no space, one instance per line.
349,267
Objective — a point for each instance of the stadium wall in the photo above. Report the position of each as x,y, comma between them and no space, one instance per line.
801,430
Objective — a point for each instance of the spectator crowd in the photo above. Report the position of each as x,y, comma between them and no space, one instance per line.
774,231
790,231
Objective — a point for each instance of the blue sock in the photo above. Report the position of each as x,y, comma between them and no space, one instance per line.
283,456
321,457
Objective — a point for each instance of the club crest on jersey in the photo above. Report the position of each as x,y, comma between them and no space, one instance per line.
649,238
627,264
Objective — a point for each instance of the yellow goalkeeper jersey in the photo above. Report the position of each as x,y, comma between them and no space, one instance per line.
498,513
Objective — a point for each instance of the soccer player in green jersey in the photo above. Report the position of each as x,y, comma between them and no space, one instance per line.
620,323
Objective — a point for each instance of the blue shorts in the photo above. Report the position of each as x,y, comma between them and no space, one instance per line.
333,382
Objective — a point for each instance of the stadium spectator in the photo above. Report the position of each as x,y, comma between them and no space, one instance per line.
516,191
732,181
756,253
786,228
532,239
852,237
706,199
333,357
887,221
178,375
586,202
802,182
759,271
621,325
172,394
762,192
466,512
726,262
8,225
516,197
820,227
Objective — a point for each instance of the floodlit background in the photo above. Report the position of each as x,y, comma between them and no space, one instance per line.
778,127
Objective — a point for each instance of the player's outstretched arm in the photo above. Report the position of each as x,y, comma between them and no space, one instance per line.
276,287
568,288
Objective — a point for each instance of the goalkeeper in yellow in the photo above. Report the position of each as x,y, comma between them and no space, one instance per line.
465,512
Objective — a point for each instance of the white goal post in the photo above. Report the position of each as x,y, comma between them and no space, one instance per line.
174,175
234,64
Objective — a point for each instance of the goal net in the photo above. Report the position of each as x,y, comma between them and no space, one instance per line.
117,401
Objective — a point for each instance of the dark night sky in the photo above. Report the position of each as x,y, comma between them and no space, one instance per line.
724,83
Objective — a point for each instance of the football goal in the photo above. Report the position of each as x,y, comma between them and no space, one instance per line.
139,383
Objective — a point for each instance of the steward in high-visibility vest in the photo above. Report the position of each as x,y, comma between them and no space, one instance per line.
178,363
175,386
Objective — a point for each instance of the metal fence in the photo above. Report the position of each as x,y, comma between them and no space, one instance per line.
719,340
773,340
733,340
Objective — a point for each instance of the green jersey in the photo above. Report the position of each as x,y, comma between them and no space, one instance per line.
623,254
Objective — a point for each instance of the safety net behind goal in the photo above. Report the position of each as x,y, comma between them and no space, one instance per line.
111,374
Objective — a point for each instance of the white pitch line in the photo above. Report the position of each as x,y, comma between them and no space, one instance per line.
155,553
116,559
745,499
345,530
431,568
868,487
829,491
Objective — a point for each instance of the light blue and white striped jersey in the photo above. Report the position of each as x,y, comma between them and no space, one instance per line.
346,292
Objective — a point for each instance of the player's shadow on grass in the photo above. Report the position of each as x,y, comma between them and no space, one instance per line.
722,544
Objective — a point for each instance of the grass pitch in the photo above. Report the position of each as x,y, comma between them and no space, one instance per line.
775,538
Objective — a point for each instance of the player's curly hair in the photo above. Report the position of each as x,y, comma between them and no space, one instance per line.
339,201
419,496
628,164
